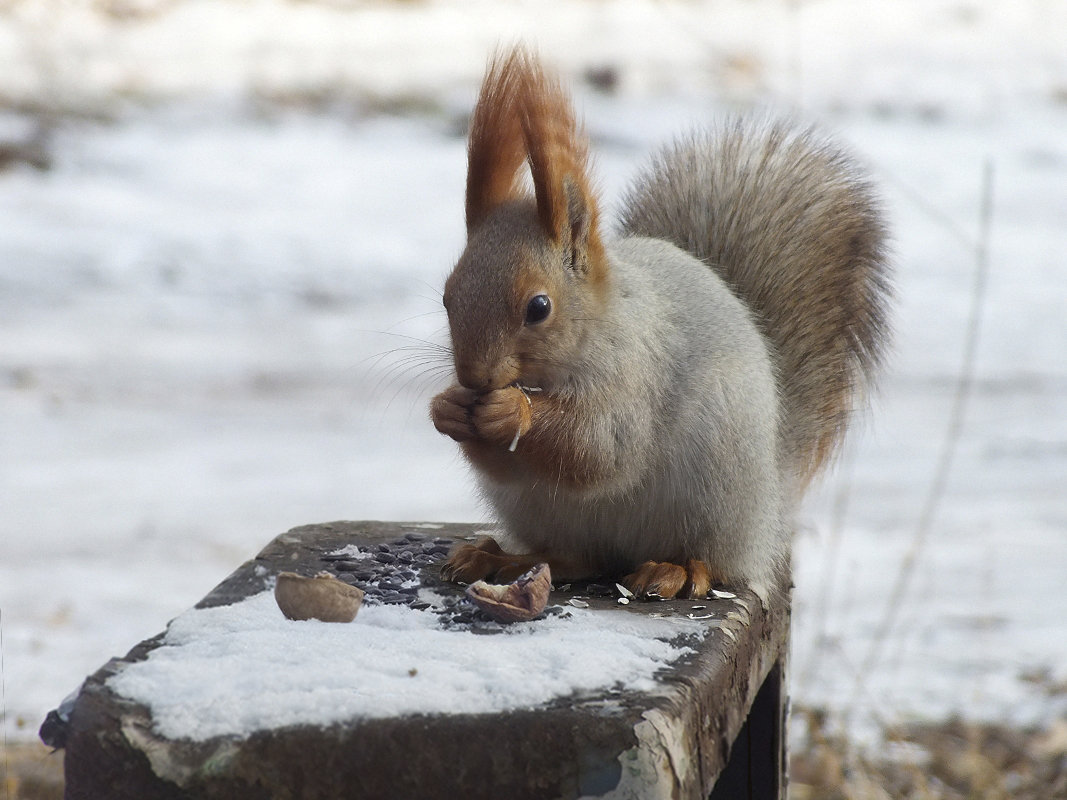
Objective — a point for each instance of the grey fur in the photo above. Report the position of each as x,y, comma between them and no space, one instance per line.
686,424
791,223
706,398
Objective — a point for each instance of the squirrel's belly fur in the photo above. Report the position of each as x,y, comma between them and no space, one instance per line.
698,473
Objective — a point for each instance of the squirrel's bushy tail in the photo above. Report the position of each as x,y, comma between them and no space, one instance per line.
789,222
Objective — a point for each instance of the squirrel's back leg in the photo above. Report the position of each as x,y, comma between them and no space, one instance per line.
667,580
486,560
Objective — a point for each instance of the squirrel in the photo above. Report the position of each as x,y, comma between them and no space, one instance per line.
653,406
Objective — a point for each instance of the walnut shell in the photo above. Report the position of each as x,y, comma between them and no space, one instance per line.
514,602
323,597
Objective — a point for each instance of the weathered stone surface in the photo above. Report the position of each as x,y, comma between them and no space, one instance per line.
670,743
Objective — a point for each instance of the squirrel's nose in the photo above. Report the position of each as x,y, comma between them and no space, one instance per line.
473,376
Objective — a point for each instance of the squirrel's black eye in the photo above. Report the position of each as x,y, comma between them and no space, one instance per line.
538,309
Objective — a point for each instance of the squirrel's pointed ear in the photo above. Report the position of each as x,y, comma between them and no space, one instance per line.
559,168
495,150
580,231
579,223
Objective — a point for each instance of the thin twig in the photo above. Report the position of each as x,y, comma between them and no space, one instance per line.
821,608
3,710
950,445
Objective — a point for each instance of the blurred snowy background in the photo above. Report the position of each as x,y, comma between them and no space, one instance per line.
215,214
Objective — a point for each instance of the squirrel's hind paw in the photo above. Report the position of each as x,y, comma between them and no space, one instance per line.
667,580
478,562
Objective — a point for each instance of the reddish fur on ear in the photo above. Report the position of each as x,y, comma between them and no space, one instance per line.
495,149
559,161
522,113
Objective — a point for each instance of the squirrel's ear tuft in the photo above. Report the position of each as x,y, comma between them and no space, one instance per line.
559,157
495,149
523,113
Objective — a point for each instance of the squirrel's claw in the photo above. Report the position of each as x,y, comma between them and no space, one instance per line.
667,580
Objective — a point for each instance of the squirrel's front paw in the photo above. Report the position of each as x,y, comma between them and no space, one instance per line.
451,412
502,416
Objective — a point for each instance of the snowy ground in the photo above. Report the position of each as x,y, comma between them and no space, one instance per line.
192,299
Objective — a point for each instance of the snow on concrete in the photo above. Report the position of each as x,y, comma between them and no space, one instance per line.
234,670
